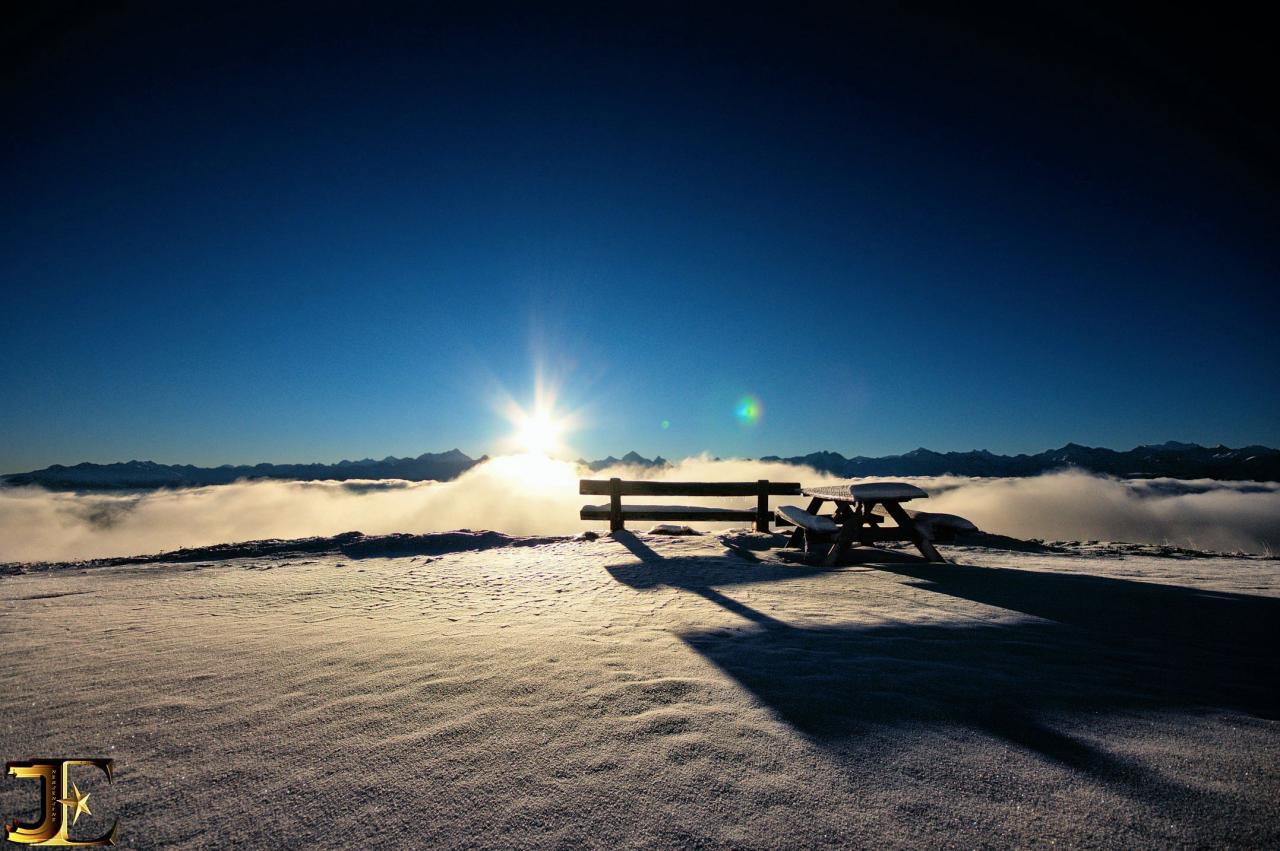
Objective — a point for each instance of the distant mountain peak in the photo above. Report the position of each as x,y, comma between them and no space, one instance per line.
631,459
454,454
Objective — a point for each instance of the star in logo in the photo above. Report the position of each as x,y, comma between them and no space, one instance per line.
79,802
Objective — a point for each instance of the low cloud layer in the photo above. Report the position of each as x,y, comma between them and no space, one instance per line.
536,496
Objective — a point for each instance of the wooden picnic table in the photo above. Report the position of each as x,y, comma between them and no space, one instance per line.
855,520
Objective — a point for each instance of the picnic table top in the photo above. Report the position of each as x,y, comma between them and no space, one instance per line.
878,491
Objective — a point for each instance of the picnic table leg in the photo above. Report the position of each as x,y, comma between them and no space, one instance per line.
847,532
866,535
797,537
899,514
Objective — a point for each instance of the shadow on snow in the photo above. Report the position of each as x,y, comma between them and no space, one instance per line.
1090,644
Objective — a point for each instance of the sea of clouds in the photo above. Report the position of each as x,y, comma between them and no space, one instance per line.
522,495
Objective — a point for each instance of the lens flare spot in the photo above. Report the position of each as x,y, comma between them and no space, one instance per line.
749,410
666,424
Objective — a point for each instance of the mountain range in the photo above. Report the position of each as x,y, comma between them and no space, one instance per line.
440,466
1172,459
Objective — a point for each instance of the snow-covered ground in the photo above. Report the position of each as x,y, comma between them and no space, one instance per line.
643,690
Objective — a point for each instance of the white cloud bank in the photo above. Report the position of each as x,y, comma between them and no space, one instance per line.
536,496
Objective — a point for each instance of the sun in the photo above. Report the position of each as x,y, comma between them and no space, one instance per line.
541,428
539,433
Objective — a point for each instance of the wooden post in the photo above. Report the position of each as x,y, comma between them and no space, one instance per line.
615,505
762,506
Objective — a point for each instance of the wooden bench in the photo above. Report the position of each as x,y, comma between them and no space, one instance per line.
941,528
617,514
818,523
819,530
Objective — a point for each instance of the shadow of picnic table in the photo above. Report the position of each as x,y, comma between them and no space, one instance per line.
1085,644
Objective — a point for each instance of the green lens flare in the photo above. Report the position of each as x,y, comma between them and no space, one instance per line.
749,410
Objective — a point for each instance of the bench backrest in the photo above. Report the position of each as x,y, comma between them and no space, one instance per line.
605,487
615,489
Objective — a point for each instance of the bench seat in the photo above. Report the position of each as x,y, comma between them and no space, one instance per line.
669,512
943,521
812,522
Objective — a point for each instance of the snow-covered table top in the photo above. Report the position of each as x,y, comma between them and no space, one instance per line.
879,491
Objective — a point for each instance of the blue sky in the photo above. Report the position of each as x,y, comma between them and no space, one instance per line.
232,238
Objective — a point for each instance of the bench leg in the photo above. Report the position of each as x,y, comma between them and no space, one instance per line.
843,539
798,538
817,544
922,543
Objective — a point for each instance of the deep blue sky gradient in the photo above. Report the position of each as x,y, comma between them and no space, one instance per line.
233,236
